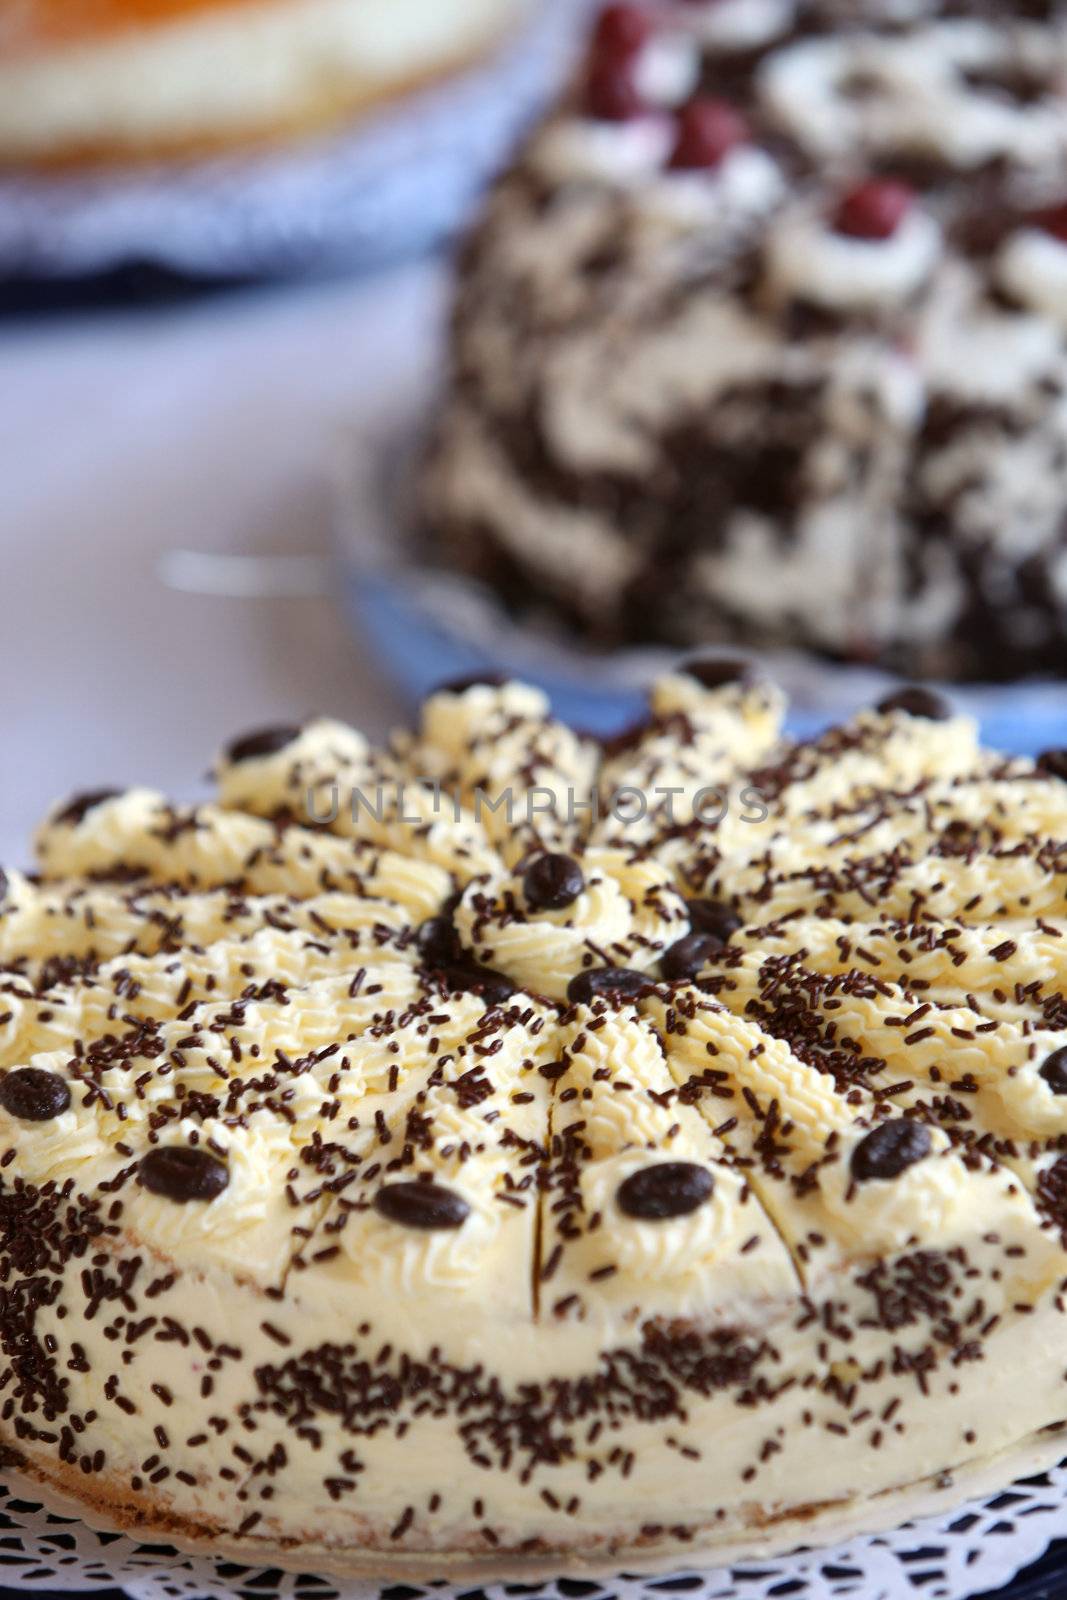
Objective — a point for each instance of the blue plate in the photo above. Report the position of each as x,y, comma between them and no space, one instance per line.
428,625
427,628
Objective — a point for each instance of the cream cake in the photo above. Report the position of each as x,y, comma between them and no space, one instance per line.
92,80
763,338
501,1146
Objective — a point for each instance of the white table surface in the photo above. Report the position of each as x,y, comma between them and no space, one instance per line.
209,426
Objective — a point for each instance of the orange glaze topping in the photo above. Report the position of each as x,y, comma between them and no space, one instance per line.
31,26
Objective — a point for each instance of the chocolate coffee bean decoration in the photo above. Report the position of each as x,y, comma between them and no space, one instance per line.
552,882
1053,763
472,680
469,978
715,672
685,958
713,917
429,1206
437,941
668,1189
264,742
608,983
79,806
918,702
34,1095
890,1149
182,1172
1054,1071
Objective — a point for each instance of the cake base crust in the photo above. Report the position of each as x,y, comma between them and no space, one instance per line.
64,1494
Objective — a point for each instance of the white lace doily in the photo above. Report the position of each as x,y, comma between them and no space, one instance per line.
396,183
953,1555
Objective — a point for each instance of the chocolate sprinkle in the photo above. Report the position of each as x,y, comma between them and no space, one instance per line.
539,1423
552,882
890,1149
34,1095
668,1189
1051,1196
918,702
183,1172
263,742
430,1206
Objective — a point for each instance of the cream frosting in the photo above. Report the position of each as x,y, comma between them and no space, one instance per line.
921,99
667,70
1033,268
741,24
608,152
807,259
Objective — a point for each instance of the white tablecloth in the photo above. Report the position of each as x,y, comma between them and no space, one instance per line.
209,426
